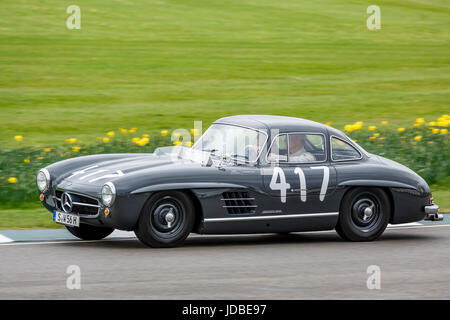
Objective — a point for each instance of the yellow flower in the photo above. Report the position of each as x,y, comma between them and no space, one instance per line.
111,134
445,116
420,120
135,139
444,131
71,140
357,125
376,134
47,149
189,144
142,142
418,138
122,130
26,160
372,128
12,180
99,138
76,149
432,124
329,123
355,140
372,138
194,132
435,130
164,132
40,158
430,142
384,123
417,125
401,129
145,136
18,138
132,130
443,123
105,139
382,138
176,143
348,128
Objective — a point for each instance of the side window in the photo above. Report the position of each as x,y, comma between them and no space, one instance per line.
304,148
278,151
341,150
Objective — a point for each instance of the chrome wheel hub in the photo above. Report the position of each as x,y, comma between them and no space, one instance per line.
365,212
170,217
167,217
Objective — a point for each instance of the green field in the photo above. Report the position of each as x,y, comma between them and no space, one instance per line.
159,64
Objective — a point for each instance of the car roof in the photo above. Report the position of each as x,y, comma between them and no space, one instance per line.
281,123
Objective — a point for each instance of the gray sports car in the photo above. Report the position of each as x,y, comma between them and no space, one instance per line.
245,174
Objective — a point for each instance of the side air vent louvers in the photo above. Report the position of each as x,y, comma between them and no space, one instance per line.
238,203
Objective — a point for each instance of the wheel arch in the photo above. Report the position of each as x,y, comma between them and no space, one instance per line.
192,196
386,189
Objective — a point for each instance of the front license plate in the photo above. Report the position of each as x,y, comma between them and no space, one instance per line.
66,219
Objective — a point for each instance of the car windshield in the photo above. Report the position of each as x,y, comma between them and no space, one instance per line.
224,140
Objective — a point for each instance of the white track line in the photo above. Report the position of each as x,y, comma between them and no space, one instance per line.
199,236
4,239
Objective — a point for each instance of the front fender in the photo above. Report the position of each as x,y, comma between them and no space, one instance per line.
186,185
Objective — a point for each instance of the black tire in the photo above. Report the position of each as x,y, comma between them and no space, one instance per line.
88,232
153,228
357,224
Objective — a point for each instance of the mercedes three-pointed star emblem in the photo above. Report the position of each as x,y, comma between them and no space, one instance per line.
66,202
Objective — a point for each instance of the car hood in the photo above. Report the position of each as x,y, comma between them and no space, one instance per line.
98,173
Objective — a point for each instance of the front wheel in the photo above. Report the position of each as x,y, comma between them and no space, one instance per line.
364,214
88,232
166,220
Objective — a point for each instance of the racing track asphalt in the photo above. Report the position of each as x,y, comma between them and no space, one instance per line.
414,262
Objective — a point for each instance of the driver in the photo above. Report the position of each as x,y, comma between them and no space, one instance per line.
297,152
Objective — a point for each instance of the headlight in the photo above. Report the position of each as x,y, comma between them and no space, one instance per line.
108,194
43,180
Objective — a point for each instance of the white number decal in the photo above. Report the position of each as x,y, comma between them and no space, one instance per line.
326,178
302,178
282,185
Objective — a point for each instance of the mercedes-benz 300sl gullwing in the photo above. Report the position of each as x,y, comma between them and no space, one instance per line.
245,174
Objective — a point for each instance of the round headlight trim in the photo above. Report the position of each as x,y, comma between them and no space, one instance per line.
43,176
108,194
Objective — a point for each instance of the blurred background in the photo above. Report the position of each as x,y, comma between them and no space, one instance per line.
137,70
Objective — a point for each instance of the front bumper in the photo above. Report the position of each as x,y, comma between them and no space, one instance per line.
432,213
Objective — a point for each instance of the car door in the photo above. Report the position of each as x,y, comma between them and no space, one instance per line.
299,178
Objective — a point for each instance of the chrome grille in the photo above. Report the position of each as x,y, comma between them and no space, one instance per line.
82,204
238,203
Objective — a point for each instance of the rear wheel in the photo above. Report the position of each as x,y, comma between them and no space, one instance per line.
88,232
364,214
166,220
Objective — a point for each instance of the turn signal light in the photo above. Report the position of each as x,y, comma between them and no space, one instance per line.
106,211
41,197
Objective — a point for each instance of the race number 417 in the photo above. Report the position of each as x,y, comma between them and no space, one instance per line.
283,185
